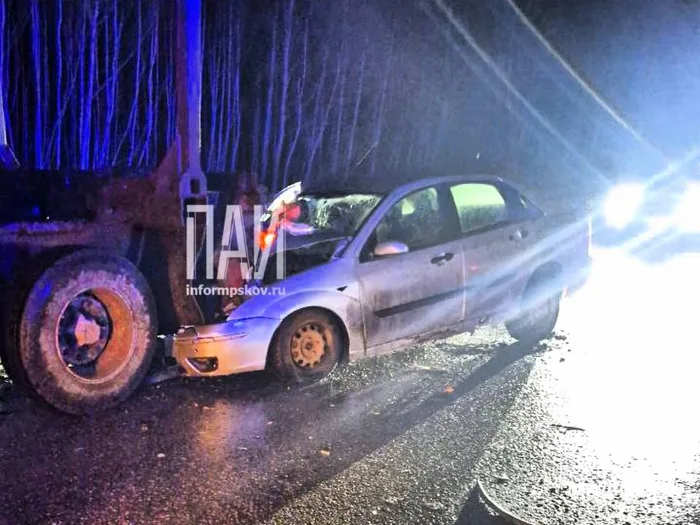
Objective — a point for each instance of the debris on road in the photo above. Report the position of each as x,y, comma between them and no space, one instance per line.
566,428
498,508
162,375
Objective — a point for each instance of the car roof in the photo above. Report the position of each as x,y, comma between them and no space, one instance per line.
388,183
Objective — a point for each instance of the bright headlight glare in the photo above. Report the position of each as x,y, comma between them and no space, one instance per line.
622,204
688,210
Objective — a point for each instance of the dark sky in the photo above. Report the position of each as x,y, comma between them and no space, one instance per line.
642,55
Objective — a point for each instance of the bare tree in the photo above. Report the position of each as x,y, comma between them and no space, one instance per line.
301,85
4,59
90,84
282,121
379,122
39,109
356,111
269,108
234,92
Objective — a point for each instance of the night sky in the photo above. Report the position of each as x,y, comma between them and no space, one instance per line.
397,74
642,55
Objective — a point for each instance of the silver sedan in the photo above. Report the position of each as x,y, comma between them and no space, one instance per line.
369,271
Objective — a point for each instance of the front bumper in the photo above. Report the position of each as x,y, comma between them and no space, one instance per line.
224,349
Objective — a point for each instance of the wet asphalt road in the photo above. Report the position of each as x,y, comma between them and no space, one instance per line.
594,426
392,439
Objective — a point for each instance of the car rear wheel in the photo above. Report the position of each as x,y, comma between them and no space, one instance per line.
307,347
539,309
86,336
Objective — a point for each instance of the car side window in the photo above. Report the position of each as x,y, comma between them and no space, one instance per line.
479,205
415,221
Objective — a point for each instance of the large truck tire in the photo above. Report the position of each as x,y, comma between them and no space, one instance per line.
86,334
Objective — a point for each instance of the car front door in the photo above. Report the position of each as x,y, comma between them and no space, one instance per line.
420,291
494,241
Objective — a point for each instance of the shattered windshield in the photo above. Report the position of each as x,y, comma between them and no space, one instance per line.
319,214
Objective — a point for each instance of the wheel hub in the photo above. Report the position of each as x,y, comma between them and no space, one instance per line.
308,346
87,331
83,331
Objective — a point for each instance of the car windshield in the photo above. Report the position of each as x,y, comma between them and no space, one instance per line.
340,215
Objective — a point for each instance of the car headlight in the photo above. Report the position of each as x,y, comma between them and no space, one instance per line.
622,204
687,213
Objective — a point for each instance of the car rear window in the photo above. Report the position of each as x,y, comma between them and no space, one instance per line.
478,205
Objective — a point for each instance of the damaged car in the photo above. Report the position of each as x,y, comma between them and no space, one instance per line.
373,268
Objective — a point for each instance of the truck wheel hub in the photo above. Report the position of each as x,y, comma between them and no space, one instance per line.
83,330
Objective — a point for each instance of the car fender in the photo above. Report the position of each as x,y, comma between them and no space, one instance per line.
344,304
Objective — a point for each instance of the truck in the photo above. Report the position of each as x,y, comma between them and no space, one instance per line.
92,266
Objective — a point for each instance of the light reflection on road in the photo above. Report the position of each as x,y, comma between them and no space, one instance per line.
632,381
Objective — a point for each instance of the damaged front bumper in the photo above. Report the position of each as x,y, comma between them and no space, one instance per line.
223,349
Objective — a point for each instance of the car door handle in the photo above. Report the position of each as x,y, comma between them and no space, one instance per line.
519,235
442,258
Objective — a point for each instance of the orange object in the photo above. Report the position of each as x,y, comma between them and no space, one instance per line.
266,239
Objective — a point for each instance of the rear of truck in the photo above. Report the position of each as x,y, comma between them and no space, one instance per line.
93,268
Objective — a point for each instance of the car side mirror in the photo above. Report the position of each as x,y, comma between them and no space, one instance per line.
390,248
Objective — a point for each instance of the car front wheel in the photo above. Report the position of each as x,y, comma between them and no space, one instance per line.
307,347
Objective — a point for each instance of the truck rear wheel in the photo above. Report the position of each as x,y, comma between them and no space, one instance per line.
87,333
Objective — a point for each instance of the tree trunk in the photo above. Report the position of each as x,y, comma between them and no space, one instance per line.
267,140
301,84
282,123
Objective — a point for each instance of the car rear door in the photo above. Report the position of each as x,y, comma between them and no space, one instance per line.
495,241
417,292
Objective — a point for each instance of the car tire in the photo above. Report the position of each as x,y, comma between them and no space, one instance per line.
86,335
539,309
307,347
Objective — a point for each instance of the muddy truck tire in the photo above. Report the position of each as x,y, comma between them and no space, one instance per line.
86,334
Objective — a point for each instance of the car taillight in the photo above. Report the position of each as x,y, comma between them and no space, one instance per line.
266,239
